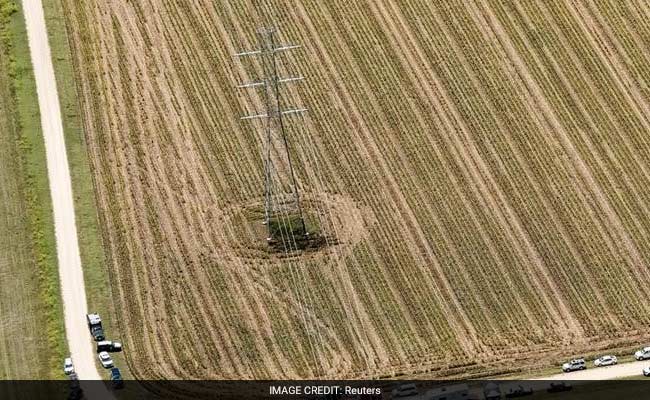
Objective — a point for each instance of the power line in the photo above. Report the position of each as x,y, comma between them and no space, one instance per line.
276,208
275,130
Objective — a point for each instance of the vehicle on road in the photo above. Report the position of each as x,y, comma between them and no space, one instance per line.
74,381
76,393
68,368
557,387
646,371
95,326
405,390
492,391
576,364
449,392
105,359
643,354
116,378
518,390
604,361
109,346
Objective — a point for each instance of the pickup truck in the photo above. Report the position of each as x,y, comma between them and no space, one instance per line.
95,327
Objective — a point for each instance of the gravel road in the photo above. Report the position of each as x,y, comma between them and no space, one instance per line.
592,373
70,271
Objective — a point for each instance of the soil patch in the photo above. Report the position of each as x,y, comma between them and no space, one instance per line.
333,224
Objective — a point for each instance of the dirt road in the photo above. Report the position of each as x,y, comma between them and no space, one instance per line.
70,271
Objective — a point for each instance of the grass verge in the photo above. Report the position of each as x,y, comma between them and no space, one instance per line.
97,282
23,105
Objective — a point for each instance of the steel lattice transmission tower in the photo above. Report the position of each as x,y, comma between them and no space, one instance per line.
281,194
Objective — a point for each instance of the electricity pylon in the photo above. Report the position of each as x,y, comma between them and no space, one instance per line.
281,194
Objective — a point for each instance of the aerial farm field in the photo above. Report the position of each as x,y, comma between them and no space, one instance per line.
480,170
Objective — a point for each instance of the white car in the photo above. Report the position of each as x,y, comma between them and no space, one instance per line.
68,368
605,361
105,359
646,371
642,354
577,364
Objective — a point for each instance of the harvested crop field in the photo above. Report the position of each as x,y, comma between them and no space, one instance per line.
480,167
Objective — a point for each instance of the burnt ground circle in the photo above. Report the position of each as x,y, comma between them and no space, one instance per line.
334,224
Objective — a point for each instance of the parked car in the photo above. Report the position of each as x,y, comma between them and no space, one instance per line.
605,361
95,326
642,354
105,359
116,378
574,365
74,381
492,391
448,392
557,387
68,368
646,371
518,391
76,394
405,390
109,346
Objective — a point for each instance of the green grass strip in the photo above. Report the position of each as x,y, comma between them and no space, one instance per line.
37,192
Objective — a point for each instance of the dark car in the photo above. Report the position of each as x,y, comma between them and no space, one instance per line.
557,387
109,346
95,326
116,378
74,381
76,394
518,391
